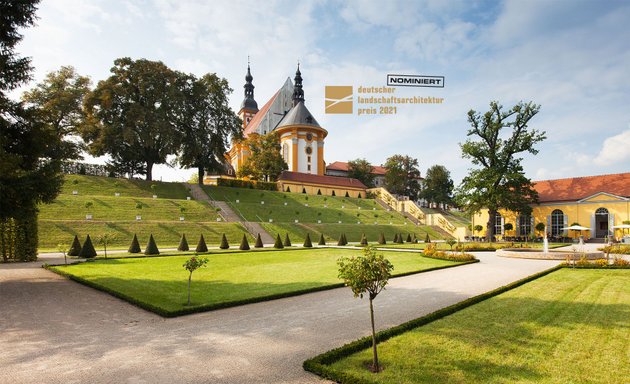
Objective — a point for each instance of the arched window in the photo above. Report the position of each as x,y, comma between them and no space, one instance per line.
285,152
498,224
557,222
601,211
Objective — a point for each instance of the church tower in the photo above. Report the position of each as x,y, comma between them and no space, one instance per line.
249,107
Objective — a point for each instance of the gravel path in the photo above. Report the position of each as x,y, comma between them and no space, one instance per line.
53,330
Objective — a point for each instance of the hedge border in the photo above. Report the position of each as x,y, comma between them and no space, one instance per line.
320,364
228,304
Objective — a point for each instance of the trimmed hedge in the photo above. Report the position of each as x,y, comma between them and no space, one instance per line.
259,243
244,244
183,244
262,185
320,365
135,245
151,248
201,245
278,243
87,251
322,241
75,248
307,241
224,242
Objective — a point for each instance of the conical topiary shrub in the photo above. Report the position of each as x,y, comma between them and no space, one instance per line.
87,250
287,241
75,248
340,242
183,244
345,239
427,239
322,241
224,242
364,239
135,245
400,239
278,243
381,239
244,244
408,238
201,245
307,241
259,243
415,239
395,239
151,248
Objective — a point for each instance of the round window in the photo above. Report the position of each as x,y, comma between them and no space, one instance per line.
309,136
309,150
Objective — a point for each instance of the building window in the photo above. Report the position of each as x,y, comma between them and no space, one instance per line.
308,167
308,150
285,152
557,222
524,225
498,224
308,159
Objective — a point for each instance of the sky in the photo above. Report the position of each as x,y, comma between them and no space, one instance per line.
570,56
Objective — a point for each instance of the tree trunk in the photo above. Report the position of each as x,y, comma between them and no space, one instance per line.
200,174
149,171
492,216
189,278
374,353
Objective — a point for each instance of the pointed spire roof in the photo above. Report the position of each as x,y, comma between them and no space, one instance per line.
299,115
298,92
248,101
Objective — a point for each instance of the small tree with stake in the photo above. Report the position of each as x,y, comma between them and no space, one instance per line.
367,274
63,249
105,239
191,266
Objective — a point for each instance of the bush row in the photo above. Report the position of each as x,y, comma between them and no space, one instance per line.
262,185
432,252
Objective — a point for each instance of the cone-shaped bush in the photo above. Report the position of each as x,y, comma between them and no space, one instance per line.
287,241
408,238
259,243
201,245
244,244
278,243
151,248
427,239
400,239
415,239
381,239
322,241
395,239
364,239
340,242
345,240
75,248
183,244
307,241
135,245
87,251
224,242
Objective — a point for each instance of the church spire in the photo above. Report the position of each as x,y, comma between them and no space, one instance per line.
298,93
249,101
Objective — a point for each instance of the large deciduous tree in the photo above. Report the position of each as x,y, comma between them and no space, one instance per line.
206,122
59,100
136,106
498,137
438,186
29,163
265,162
403,176
361,169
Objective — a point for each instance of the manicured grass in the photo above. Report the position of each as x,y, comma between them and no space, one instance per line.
166,234
570,326
107,186
328,209
159,283
472,247
353,232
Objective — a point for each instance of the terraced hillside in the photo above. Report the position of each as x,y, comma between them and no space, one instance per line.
116,214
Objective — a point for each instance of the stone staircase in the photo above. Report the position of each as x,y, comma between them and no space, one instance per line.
227,213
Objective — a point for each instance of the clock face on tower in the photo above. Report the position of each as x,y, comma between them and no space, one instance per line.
309,136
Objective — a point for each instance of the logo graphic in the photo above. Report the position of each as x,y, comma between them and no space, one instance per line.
338,99
415,81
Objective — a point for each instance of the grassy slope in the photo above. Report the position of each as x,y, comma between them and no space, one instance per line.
106,186
161,281
569,326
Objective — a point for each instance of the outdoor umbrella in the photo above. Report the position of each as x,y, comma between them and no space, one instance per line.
623,228
576,228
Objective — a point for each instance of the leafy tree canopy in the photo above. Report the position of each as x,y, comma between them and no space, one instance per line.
265,161
438,185
361,169
403,176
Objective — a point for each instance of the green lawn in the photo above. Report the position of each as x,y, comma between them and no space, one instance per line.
353,232
570,326
159,283
107,186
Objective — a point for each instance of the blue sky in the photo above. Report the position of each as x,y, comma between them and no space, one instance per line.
570,56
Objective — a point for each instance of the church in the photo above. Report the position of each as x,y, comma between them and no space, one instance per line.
301,141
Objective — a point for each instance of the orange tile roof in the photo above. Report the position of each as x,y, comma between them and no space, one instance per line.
255,122
342,166
343,182
576,188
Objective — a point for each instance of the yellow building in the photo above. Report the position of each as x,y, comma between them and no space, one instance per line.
597,202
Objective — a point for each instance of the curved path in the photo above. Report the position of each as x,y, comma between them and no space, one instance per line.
53,330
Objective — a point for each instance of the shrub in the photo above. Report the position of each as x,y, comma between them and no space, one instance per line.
201,245
259,243
307,241
478,228
395,239
432,252
183,244
409,238
262,185
381,239
400,239
451,242
618,261
224,242
287,241
244,244
75,248
540,227
427,239
322,241
278,243
135,245
151,248
364,239
87,251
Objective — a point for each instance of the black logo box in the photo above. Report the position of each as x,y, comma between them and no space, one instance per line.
441,78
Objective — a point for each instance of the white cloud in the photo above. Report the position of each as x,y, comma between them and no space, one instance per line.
616,149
